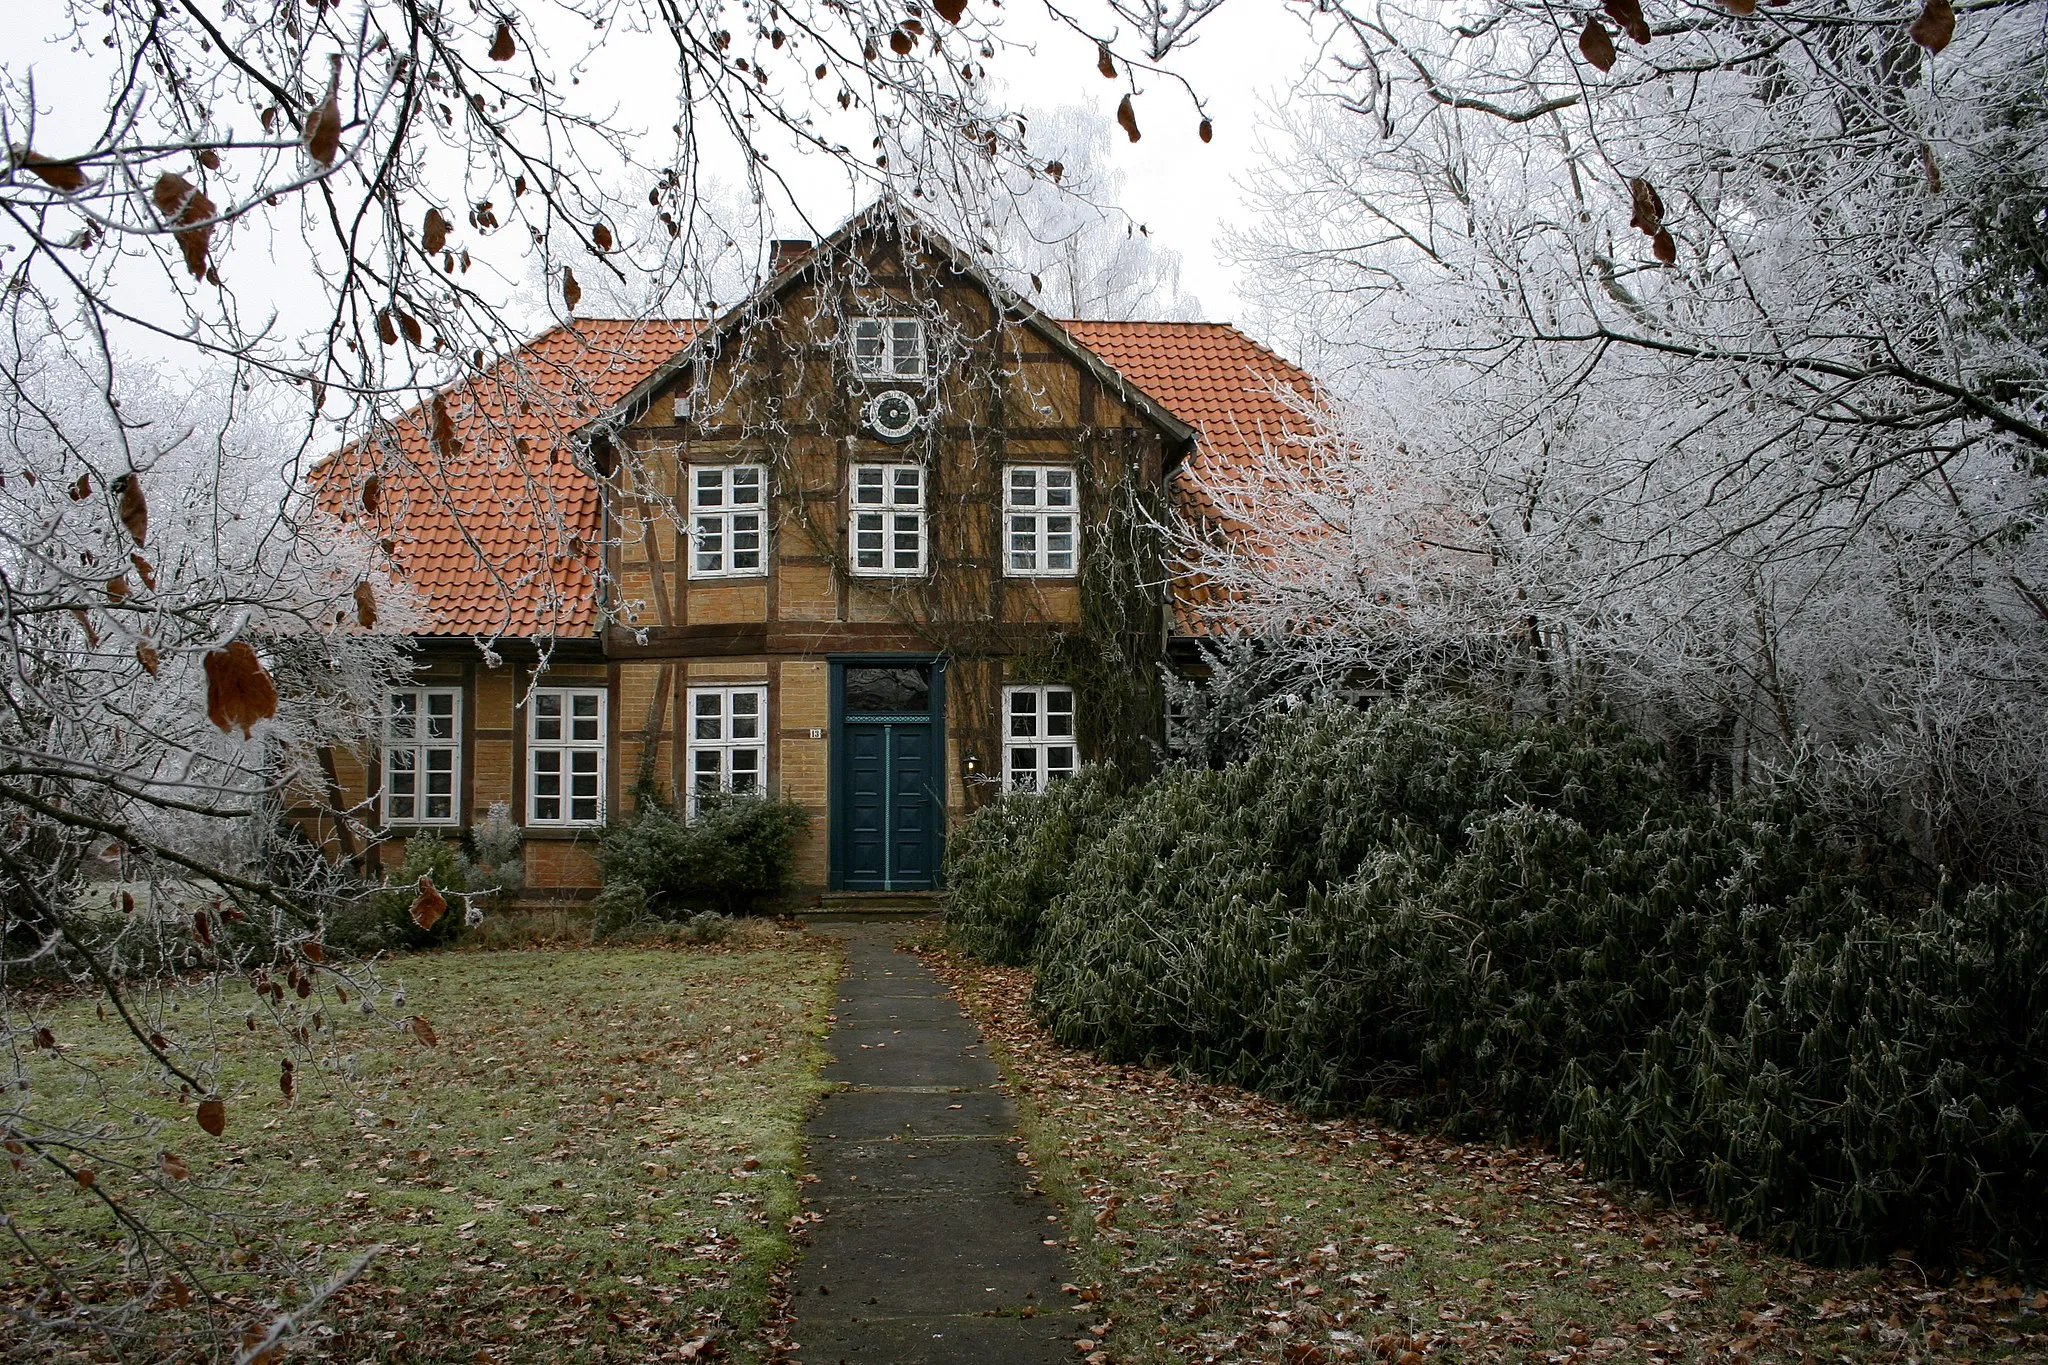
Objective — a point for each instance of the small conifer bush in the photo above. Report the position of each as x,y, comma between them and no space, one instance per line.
735,855
1007,862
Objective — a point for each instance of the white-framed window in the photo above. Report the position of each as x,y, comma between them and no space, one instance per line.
728,520
888,348
565,756
1041,525
423,756
888,532
1038,737
728,748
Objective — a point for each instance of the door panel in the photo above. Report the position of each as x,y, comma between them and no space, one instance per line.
910,804
861,795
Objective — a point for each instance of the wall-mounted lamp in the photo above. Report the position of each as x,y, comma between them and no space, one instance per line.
973,765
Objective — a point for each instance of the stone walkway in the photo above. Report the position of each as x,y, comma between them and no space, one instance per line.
933,1249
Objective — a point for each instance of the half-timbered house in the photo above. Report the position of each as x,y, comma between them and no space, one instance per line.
881,540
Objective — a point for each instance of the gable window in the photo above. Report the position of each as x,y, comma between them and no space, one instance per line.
422,755
727,504
565,756
1038,737
728,740
1040,521
888,348
888,532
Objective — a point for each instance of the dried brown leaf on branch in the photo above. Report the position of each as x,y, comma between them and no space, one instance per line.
409,325
366,606
1127,118
1206,131
1595,45
429,905
187,212
1628,16
434,233
1104,62
952,11
1664,247
323,125
601,237
502,47
172,1165
423,1030
117,588
900,42
387,330
57,174
373,494
445,444
572,292
213,1116
1935,26
146,655
134,508
82,489
1648,205
287,1080
145,570
202,928
239,691
1742,7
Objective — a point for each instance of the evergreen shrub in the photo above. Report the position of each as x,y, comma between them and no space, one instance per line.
737,856
381,919
1427,912
1007,861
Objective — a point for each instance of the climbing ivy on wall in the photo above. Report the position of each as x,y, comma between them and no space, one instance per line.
963,607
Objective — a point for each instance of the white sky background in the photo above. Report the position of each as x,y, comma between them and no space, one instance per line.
1184,191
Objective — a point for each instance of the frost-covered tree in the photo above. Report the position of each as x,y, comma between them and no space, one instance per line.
1062,241
1696,370
182,637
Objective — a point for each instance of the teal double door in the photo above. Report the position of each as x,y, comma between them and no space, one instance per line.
888,772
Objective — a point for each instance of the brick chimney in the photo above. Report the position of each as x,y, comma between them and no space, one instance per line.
783,252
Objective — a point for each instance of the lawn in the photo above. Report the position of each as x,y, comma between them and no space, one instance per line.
1210,1225
597,1158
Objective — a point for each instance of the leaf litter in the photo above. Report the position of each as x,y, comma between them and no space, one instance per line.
1209,1224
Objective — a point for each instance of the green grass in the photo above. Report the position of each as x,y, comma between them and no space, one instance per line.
597,1161
1209,1224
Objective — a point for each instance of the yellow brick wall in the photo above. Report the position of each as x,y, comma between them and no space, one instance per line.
493,776
808,593
561,865
721,604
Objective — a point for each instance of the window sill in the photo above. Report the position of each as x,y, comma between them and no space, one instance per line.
562,832
889,573
751,575
1042,574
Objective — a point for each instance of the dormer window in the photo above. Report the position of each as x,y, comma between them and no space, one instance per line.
888,348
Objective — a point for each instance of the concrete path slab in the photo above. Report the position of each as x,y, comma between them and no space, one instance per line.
933,1249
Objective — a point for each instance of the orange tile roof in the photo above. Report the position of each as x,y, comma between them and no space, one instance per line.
1210,375
1226,386
506,539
